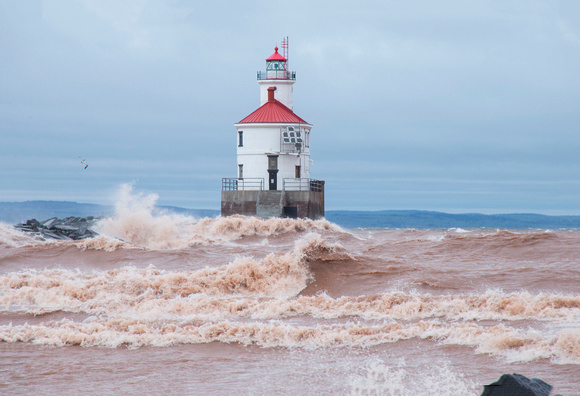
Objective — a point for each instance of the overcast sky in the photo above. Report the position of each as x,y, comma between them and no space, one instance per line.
450,105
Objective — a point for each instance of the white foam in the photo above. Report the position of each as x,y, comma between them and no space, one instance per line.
138,222
437,378
459,230
513,345
11,237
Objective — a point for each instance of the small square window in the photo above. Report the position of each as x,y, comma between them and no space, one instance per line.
272,162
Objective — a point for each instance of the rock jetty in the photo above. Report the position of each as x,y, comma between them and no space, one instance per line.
68,229
517,385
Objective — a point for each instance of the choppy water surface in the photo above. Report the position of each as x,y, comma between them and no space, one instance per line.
243,305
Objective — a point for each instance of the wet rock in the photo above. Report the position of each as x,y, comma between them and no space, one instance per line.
50,222
517,385
67,229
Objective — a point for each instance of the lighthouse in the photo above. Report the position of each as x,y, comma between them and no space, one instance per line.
273,153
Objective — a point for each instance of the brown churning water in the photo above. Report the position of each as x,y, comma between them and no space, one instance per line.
252,306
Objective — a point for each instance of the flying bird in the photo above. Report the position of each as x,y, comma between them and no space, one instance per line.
85,163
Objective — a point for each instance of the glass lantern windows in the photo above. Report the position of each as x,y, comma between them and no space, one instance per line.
275,65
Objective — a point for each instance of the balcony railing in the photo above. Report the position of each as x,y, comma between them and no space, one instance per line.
235,184
276,75
289,184
303,185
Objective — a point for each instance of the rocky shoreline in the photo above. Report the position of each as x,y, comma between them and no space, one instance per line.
67,229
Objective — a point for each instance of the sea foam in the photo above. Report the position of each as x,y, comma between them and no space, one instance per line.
137,221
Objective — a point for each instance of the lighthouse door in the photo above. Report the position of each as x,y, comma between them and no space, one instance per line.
272,172
273,180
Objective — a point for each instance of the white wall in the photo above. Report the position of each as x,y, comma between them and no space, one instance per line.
283,93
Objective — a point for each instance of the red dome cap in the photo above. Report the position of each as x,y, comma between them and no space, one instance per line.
276,56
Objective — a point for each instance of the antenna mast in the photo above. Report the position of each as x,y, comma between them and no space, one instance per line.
285,52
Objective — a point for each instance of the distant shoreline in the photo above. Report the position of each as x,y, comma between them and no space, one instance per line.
17,212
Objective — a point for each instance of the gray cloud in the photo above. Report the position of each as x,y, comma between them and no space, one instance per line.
448,105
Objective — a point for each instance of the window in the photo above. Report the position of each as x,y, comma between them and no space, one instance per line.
275,65
290,136
272,162
240,171
297,172
240,138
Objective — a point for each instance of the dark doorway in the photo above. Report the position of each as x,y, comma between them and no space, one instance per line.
291,212
272,180
272,172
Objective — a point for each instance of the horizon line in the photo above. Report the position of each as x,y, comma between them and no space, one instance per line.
484,212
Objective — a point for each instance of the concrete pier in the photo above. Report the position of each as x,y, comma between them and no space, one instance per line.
275,203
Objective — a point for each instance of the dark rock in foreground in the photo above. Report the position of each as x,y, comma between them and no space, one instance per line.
517,385
68,229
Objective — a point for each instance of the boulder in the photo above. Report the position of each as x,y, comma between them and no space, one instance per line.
517,385
49,223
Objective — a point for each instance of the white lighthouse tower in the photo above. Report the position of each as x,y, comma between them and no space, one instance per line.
273,153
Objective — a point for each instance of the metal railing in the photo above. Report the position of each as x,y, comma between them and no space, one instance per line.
297,184
291,147
235,184
276,75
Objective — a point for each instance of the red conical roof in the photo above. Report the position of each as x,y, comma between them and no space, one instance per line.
272,112
276,56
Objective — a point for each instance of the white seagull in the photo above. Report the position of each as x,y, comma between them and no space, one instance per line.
85,163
